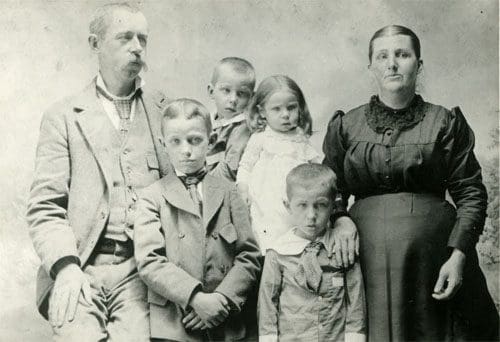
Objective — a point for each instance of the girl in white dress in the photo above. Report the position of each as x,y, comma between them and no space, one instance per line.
282,142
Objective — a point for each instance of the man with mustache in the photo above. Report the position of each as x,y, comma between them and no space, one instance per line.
96,150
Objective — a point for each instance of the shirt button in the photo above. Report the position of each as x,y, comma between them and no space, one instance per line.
103,215
130,209
387,160
181,235
126,151
215,235
387,177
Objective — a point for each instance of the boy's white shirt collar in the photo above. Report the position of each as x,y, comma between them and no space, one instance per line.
221,122
292,244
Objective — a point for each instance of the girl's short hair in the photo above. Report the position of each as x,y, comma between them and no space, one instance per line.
393,30
188,109
269,86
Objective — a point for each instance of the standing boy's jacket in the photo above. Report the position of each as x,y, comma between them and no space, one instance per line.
178,251
228,141
69,204
289,310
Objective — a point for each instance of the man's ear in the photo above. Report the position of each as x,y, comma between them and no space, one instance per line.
210,90
94,42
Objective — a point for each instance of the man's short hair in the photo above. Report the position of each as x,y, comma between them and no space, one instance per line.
239,65
310,175
100,19
187,109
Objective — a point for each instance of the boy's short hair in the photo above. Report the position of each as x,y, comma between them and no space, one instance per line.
188,109
239,65
309,175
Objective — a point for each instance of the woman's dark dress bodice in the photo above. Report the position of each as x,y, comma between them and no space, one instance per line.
424,148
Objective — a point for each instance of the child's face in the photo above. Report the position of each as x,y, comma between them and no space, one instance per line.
310,209
231,92
281,111
186,141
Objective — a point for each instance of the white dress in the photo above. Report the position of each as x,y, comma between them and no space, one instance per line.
267,159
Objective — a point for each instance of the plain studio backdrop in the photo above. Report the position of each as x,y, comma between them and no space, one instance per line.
323,45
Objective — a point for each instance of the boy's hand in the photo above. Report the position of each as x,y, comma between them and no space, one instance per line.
243,191
212,308
70,281
193,322
345,236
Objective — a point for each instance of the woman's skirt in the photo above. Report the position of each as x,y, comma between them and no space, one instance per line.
403,244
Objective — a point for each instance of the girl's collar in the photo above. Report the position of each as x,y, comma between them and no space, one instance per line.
380,117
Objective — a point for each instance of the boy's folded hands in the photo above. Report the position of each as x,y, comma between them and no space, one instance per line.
209,310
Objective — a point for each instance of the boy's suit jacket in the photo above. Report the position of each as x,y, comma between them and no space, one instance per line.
178,251
68,203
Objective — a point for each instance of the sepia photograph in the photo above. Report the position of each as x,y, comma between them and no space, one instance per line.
249,170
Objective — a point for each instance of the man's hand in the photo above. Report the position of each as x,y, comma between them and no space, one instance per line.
345,236
450,276
193,322
212,308
70,281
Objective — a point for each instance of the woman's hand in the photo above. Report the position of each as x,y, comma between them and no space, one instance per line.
450,276
345,236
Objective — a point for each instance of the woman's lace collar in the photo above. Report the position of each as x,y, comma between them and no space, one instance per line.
380,117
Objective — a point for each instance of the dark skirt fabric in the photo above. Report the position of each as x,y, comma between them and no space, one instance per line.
403,244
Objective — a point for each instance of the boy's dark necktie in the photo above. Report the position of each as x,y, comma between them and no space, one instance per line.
190,182
309,271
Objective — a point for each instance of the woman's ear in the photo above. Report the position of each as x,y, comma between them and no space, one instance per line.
420,66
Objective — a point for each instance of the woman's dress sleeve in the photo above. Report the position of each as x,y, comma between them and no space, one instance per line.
335,149
464,182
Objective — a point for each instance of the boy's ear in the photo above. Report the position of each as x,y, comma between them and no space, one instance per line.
210,90
162,141
286,203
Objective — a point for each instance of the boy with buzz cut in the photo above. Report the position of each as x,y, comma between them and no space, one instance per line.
231,88
303,295
193,243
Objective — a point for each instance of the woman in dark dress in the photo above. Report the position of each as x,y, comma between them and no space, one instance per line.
398,155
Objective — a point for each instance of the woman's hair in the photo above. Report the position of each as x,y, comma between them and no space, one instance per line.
393,30
188,109
268,87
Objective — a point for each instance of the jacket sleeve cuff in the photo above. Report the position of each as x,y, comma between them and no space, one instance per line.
464,235
63,262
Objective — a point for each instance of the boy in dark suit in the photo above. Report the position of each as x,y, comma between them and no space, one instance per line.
194,246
